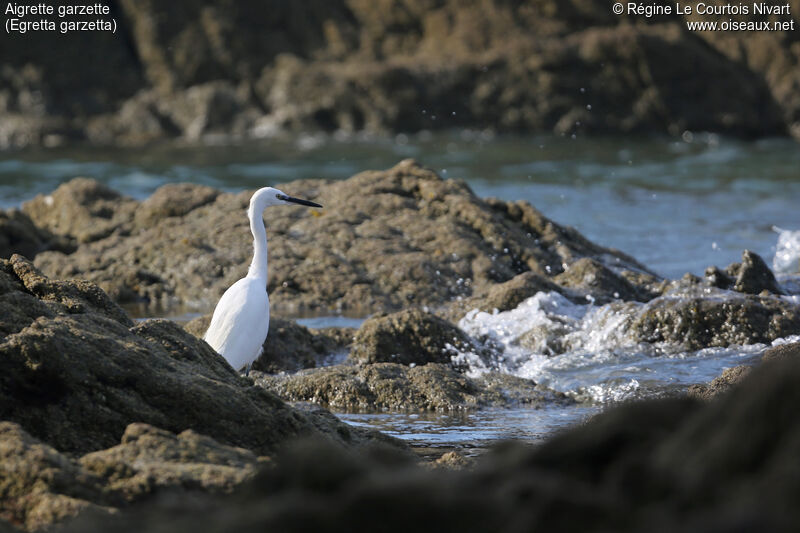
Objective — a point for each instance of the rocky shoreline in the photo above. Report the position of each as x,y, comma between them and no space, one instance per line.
214,73
101,415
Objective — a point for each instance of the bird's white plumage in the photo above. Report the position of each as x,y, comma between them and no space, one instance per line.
240,322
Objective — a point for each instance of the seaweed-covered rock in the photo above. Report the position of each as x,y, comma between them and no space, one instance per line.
433,387
289,346
698,322
74,372
385,240
409,337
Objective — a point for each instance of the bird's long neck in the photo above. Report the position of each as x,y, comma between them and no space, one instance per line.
258,267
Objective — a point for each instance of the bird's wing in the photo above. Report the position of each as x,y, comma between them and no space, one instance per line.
240,323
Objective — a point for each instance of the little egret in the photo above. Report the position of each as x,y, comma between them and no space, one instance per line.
240,322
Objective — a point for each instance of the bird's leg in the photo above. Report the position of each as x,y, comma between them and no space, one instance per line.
247,369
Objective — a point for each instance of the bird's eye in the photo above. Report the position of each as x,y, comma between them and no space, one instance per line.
281,197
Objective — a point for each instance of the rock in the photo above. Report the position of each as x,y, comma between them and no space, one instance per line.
782,351
173,200
379,386
150,460
253,70
289,346
751,276
505,296
409,337
82,209
40,486
78,373
663,465
599,283
755,276
698,322
730,378
385,241
19,235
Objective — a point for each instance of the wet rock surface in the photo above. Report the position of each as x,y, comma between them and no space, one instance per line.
76,372
391,386
384,241
664,465
702,322
751,276
206,72
410,337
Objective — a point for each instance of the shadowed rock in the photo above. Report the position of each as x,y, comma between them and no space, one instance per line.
664,465
19,235
40,486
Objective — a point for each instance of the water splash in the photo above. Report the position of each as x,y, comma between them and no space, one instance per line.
587,351
787,251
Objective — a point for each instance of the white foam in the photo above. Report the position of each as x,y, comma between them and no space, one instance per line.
787,251
586,351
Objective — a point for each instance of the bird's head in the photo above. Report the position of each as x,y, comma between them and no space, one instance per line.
269,196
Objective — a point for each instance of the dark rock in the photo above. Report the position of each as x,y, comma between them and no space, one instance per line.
751,276
378,386
19,235
289,346
755,276
730,378
666,465
149,460
409,337
77,373
384,241
782,351
702,322
718,278
189,70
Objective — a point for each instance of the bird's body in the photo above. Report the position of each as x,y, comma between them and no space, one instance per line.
240,322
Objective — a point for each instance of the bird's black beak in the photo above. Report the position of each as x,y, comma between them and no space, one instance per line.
297,200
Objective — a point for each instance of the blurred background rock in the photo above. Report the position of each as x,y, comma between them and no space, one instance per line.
230,70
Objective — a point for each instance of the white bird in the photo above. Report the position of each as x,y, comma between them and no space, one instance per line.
240,322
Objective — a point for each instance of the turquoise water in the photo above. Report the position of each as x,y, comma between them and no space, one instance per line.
677,206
